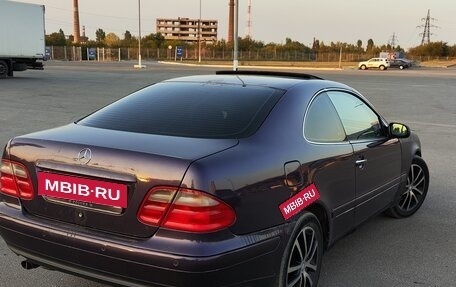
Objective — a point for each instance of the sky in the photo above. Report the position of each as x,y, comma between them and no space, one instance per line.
272,21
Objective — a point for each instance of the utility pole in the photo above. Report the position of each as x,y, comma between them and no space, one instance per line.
199,33
236,33
393,41
139,65
248,30
426,35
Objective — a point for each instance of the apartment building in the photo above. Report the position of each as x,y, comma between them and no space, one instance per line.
186,29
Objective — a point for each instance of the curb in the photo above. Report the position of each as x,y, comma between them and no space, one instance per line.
248,66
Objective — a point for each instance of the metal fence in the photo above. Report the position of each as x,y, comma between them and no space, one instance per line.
73,53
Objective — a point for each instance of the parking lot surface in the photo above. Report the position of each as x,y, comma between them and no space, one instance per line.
417,251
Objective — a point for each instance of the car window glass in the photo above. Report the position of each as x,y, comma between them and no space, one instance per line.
358,119
197,110
322,124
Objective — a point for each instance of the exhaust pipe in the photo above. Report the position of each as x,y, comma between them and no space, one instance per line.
27,265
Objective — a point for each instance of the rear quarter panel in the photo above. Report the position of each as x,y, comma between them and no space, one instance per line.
251,178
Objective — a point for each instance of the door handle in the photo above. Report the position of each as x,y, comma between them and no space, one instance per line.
361,162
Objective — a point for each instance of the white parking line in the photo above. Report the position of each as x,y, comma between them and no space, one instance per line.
433,124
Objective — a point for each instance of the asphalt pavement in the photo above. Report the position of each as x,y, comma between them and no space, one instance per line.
419,251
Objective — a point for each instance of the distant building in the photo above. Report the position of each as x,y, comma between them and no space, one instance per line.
185,29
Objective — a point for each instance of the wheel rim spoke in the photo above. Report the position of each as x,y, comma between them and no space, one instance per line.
414,199
410,199
404,200
417,176
313,252
419,182
309,249
308,279
311,266
420,192
296,280
292,269
298,248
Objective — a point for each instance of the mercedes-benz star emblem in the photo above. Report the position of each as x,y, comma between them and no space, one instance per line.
84,156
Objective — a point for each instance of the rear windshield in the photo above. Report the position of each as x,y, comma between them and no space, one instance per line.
201,110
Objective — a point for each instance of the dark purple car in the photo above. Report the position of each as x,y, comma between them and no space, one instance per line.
234,179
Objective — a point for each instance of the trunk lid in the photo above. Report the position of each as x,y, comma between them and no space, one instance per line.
136,162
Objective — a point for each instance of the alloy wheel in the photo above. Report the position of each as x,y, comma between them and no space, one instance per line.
414,190
303,262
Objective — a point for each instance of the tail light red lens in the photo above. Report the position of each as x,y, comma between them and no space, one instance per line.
191,210
156,204
15,180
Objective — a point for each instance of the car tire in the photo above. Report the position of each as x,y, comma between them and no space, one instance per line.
363,67
382,67
301,263
4,71
413,194
401,67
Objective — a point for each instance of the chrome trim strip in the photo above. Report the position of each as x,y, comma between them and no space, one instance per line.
85,171
113,210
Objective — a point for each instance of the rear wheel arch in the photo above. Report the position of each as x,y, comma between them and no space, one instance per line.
322,215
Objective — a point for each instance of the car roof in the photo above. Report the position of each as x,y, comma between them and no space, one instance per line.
271,79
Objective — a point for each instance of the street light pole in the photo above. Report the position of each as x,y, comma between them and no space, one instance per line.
199,33
140,66
236,32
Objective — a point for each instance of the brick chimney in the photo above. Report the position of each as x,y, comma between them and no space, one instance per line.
231,21
76,31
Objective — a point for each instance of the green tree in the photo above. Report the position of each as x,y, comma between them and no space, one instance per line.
128,40
291,45
370,45
127,36
433,49
56,39
100,35
247,43
159,40
153,40
452,51
112,40
316,45
359,44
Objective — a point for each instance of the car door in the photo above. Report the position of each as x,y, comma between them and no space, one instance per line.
377,158
372,63
329,163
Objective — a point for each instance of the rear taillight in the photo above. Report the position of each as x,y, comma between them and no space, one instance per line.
188,210
15,180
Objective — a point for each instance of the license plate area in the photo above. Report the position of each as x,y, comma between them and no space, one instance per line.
82,192
113,210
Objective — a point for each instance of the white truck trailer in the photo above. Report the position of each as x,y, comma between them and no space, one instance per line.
22,37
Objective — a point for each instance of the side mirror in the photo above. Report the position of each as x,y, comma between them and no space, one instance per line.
397,130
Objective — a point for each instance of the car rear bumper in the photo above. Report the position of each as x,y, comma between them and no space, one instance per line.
248,260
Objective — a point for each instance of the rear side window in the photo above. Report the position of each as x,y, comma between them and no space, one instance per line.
201,110
322,123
